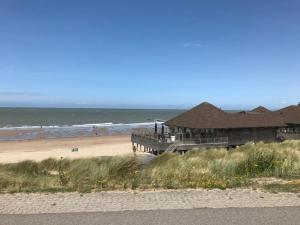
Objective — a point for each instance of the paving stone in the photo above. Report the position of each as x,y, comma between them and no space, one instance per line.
22,203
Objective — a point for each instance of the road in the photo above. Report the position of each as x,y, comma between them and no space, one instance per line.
203,216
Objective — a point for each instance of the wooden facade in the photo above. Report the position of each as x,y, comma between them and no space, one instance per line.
291,117
206,125
237,136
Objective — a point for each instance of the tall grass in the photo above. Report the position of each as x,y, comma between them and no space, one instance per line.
207,168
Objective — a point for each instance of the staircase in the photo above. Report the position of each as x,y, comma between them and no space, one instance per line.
172,147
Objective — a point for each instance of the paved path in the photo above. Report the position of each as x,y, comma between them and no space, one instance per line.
121,201
230,216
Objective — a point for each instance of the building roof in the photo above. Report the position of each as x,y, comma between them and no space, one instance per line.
206,116
260,109
290,114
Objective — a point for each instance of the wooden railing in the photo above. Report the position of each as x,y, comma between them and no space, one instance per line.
204,140
167,139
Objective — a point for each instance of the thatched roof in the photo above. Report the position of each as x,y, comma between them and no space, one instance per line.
206,115
260,109
290,114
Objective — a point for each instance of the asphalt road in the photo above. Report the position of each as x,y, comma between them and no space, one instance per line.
230,216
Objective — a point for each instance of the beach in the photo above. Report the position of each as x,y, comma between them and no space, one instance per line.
39,149
40,133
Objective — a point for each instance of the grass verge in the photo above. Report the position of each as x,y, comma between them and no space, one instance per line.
287,187
206,168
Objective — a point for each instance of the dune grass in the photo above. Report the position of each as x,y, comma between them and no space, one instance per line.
292,186
210,168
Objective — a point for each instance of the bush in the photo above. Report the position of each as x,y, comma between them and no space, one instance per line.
269,160
27,167
259,162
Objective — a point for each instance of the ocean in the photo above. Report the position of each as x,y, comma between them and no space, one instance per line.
34,123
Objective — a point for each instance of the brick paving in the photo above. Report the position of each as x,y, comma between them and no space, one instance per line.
34,203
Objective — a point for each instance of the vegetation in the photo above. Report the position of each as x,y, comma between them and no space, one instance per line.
293,186
210,168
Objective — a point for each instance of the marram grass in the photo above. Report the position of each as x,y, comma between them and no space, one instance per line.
205,168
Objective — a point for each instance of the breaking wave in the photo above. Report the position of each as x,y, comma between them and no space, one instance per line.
93,125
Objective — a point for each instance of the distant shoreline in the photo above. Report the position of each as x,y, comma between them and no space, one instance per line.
75,131
33,117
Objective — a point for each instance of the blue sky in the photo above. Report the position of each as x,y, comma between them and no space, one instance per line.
149,54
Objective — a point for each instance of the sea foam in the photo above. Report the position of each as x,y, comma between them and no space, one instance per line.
93,125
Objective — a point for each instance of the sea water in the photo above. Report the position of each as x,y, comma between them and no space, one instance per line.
34,123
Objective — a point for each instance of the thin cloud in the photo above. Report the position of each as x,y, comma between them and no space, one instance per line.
283,103
24,94
193,45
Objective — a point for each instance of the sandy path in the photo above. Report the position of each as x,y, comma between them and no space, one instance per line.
14,151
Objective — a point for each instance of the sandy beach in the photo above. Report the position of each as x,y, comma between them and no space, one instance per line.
15,151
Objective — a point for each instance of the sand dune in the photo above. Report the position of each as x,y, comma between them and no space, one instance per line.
14,151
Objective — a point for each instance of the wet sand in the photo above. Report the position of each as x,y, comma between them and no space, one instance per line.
15,151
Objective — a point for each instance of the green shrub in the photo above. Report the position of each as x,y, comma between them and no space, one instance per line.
27,167
269,160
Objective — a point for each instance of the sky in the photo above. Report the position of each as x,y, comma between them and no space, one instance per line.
149,54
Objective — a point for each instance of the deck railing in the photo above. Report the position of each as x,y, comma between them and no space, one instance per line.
204,140
200,140
168,139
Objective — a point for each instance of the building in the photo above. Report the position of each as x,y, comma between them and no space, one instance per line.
208,121
291,117
206,125
260,109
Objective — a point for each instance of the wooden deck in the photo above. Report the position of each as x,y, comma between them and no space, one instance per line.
156,144
289,136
